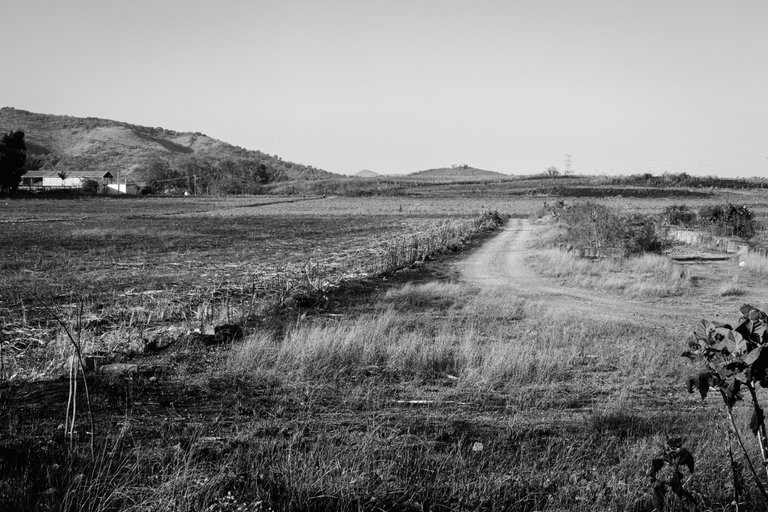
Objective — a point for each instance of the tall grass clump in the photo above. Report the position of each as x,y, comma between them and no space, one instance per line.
648,275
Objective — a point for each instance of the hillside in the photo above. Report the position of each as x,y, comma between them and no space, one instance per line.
461,173
146,154
365,173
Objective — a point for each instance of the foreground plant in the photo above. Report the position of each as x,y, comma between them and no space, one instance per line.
736,359
666,475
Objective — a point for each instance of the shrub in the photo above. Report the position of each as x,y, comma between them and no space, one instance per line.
643,237
595,225
728,220
679,215
89,187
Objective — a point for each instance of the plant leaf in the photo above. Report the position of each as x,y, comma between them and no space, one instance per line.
685,458
656,465
702,382
674,443
732,393
735,343
753,355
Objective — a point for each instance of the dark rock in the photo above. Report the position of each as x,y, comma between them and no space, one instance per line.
227,333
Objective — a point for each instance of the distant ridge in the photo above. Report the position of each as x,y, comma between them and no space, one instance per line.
67,143
365,173
459,173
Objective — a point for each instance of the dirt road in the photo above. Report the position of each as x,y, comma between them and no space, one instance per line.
500,262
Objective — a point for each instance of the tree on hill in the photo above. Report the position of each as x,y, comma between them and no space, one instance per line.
13,156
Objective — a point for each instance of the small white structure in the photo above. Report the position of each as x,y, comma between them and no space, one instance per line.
123,188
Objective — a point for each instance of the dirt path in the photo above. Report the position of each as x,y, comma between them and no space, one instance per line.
501,263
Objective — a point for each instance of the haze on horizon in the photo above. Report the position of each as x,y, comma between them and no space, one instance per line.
398,86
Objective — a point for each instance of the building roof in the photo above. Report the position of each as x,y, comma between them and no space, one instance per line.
70,174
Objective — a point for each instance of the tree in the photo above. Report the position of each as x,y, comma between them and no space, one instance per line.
13,156
262,174
89,186
553,172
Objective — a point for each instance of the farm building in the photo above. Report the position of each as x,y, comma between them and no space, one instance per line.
70,179
49,179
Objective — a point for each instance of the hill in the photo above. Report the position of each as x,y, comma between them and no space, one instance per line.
365,173
460,173
160,157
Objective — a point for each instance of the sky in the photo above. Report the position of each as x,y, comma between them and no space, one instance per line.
397,86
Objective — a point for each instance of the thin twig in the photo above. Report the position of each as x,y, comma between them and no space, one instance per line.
78,353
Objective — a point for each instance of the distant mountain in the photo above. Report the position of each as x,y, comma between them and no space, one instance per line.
163,157
461,172
365,173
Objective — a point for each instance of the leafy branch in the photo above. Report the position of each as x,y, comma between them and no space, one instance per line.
735,359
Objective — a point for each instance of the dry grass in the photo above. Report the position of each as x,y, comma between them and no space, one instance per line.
435,393
755,264
485,339
641,276
732,287
441,393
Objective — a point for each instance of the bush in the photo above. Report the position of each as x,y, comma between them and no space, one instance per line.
589,224
728,220
89,187
489,219
680,215
595,225
643,237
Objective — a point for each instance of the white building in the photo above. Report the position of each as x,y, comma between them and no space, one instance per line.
48,179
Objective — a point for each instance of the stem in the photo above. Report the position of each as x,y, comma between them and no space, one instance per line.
69,403
761,434
734,472
73,373
82,372
744,449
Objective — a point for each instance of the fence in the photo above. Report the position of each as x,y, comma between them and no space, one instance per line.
591,252
729,244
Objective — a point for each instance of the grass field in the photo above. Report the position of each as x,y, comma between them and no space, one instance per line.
414,390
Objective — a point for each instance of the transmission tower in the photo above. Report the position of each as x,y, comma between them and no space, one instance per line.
568,168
